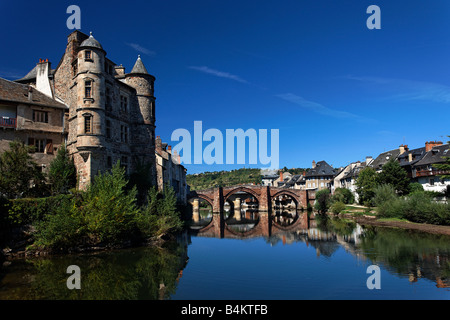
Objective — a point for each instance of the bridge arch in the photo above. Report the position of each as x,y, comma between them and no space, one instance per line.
241,189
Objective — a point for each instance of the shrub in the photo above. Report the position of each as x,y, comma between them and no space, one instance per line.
337,207
160,215
343,195
59,231
108,210
383,193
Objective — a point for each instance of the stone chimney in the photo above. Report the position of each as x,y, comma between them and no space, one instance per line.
314,164
158,144
120,70
410,157
42,81
430,144
281,175
402,149
368,160
169,149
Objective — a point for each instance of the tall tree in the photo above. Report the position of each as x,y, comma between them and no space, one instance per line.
365,185
396,176
62,172
20,176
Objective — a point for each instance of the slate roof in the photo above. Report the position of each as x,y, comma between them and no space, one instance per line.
322,169
435,155
16,92
32,75
418,154
91,42
383,158
139,67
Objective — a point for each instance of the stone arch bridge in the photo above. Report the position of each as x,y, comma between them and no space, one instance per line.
264,195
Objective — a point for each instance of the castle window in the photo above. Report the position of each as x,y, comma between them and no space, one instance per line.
108,99
75,69
123,133
88,89
123,103
108,129
88,55
87,124
40,116
124,163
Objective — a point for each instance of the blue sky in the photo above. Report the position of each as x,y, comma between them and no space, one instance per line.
334,89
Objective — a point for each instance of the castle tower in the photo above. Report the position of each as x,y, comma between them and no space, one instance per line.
143,130
90,112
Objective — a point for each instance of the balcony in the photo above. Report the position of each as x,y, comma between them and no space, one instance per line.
7,122
427,173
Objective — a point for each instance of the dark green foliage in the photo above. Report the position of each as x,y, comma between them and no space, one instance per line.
337,207
160,216
20,176
62,174
415,187
323,201
28,211
106,214
417,207
396,176
365,185
108,209
343,195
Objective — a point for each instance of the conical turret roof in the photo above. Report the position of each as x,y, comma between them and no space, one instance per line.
139,67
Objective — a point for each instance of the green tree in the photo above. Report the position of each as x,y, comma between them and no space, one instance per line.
323,201
365,185
20,176
396,176
108,208
62,173
343,195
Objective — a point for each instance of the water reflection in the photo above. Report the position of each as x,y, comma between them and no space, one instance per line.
145,273
156,273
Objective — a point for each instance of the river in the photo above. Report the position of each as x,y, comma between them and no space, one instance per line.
324,260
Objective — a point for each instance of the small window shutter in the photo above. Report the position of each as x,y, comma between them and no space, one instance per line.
49,146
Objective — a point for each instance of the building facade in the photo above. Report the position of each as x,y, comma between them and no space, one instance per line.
102,113
34,118
170,172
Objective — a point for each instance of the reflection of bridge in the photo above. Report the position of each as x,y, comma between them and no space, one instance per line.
265,197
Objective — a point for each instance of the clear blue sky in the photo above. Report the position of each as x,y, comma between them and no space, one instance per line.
336,90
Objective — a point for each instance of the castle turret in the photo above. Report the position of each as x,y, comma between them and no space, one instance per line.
90,111
144,128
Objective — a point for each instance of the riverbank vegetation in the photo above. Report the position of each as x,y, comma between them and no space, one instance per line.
108,213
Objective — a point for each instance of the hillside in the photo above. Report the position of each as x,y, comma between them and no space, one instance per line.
207,180
223,178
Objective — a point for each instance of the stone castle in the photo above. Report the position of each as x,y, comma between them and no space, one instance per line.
89,103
